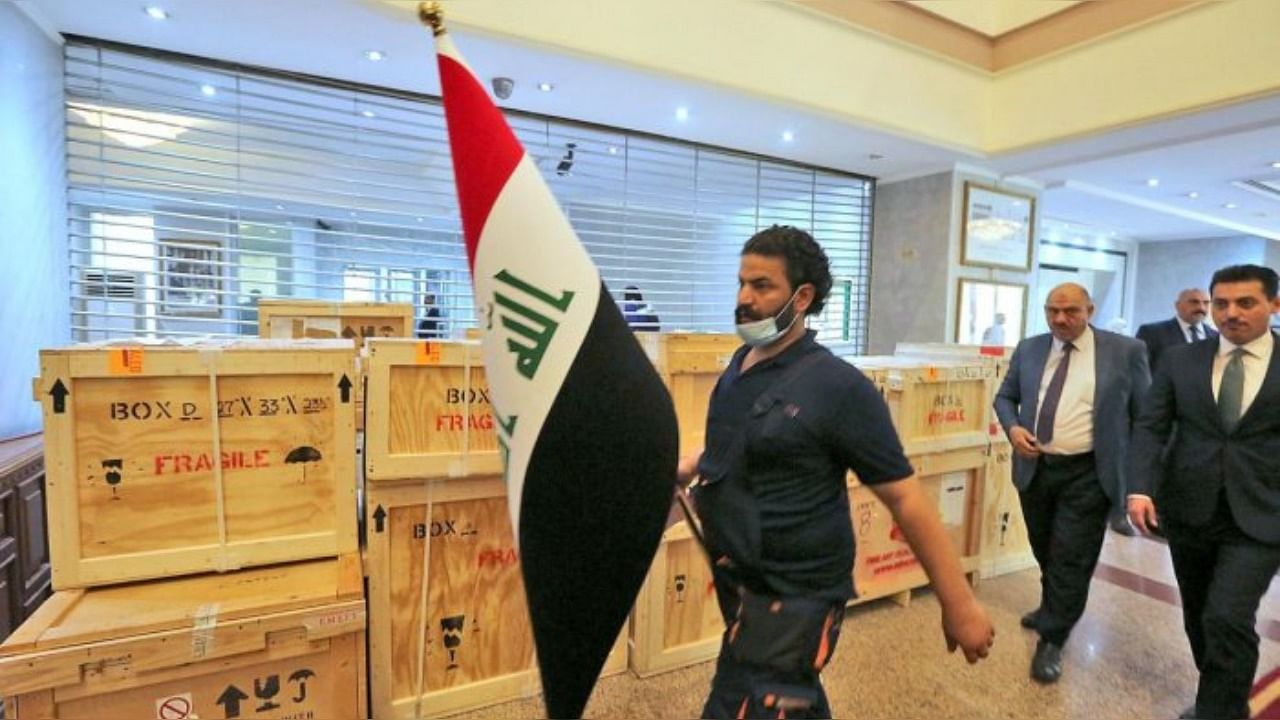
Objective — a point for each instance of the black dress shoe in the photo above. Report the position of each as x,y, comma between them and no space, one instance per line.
1030,620
1046,666
1120,523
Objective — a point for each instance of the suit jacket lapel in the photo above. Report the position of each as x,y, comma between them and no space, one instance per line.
1102,367
1039,359
1205,355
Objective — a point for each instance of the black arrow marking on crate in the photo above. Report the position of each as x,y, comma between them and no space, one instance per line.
59,393
345,386
378,516
230,698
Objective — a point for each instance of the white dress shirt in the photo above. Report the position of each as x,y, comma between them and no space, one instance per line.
1257,358
1073,423
1186,330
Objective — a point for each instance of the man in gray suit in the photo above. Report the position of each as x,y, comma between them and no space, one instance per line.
1067,404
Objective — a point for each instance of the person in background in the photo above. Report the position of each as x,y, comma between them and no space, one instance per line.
786,422
638,313
1186,326
1067,403
1218,495
430,326
994,335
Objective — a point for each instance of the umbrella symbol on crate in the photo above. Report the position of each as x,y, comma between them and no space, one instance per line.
301,456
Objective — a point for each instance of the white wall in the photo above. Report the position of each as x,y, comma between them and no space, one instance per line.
1167,268
34,308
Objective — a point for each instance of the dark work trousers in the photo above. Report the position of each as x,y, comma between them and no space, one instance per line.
1222,576
1066,514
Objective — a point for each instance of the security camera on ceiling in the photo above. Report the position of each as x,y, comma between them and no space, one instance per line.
502,87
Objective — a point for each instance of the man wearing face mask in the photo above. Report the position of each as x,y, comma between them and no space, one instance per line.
1067,404
787,420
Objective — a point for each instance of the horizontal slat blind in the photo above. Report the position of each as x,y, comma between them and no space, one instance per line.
196,189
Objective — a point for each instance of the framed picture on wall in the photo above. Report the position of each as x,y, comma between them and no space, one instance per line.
997,228
991,313
190,278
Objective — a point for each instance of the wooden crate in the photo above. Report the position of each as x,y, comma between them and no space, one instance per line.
936,405
170,460
429,411
291,319
677,620
884,564
690,364
995,357
1005,546
276,642
474,645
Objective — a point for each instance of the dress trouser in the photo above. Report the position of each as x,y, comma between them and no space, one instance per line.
1222,576
1066,514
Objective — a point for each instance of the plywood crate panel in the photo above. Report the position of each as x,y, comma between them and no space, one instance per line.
474,646
954,483
170,460
285,641
936,405
690,364
677,620
321,319
430,414
1005,546
995,357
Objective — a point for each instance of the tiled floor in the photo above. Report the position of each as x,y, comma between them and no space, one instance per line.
1127,659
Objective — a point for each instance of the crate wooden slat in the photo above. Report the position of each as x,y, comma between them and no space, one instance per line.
429,413
995,357
286,319
478,647
936,404
690,364
954,482
1005,546
170,460
273,642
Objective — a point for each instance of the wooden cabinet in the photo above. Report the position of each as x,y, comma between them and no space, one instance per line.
24,545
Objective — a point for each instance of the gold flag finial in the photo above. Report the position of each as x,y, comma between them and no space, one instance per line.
430,13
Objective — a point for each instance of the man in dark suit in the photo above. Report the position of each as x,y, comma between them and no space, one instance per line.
1219,499
1186,326
1067,405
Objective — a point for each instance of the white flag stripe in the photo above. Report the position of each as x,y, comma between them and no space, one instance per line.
528,236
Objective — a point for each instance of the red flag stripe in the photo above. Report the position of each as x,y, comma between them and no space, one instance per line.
485,151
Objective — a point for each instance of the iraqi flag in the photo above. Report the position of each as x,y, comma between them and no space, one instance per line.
587,428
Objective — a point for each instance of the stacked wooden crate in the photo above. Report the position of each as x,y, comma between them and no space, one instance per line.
1005,547
167,461
677,620
941,412
449,628
322,319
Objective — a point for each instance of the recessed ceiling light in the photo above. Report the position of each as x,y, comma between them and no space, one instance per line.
368,113
788,136
682,113
546,86
1230,206
155,12
1193,194
375,55
208,90
1153,182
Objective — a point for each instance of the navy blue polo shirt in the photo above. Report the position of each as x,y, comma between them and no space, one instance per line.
774,499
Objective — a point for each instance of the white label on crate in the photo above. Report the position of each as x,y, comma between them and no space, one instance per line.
205,622
952,491
174,707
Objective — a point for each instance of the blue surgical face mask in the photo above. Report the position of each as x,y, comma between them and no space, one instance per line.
759,333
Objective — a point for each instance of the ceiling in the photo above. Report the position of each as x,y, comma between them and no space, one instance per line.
1098,180
994,17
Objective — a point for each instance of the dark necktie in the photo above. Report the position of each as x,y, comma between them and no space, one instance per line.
1195,333
1231,391
1049,408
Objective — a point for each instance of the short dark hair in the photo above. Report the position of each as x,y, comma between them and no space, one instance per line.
632,294
1244,273
805,259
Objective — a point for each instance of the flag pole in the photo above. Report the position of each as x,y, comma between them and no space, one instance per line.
432,15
